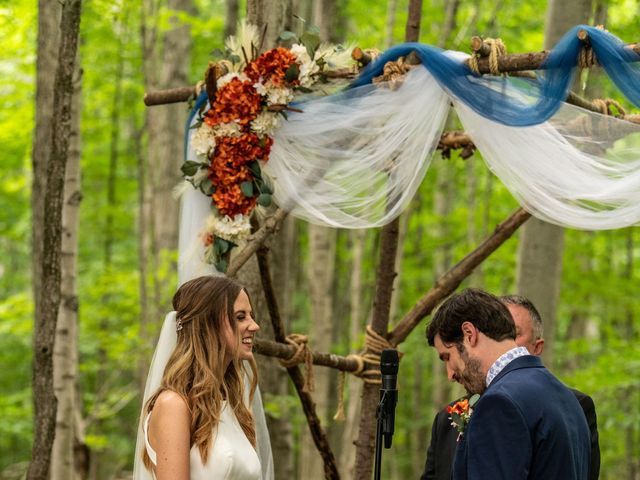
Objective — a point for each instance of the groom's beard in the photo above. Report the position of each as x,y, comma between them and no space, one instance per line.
472,378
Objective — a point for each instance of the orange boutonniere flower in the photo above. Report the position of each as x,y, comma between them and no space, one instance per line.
460,413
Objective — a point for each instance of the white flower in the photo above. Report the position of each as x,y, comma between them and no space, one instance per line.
203,140
234,230
307,74
260,88
223,80
265,123
277,95
230,129
301,53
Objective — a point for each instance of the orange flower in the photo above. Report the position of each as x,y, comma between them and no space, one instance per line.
271,65
231,201
459,407
236,101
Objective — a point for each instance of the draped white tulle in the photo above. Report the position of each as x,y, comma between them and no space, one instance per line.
354,161
580,169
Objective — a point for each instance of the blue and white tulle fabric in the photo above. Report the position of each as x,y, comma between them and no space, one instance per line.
355,159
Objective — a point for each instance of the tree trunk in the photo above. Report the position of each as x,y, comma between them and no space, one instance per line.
232,14
46,323
322,248
392,6
542,244
65,355
356,324
450,22
286,267
275,14
46,63
382,302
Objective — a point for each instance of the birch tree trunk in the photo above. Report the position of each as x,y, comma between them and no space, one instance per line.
322,248
542,244
65,355
46,322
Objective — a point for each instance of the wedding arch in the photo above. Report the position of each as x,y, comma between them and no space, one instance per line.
354,159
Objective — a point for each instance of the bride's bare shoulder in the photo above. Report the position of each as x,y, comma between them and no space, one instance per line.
170,407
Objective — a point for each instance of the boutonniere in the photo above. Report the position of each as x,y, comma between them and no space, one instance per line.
460,413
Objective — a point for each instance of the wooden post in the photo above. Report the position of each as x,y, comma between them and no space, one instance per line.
365,443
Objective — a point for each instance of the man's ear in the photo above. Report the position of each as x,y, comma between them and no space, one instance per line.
469,333
538,347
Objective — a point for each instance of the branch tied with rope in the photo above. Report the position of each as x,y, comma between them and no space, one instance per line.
368,362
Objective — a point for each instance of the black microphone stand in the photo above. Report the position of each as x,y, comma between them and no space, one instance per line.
381,413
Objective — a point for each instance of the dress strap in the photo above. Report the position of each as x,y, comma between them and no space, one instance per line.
150,451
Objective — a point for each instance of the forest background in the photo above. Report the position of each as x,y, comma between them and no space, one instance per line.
128,159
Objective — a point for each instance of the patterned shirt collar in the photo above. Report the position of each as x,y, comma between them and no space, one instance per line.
504,360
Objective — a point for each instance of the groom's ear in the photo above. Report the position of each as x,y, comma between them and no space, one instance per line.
469,333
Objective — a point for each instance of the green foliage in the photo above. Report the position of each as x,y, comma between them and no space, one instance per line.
599,322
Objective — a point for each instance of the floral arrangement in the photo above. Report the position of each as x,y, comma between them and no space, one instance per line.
234,136
460,413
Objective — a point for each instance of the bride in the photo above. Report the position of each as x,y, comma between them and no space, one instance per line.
197,421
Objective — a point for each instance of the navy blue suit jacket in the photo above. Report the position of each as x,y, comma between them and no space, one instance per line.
527,425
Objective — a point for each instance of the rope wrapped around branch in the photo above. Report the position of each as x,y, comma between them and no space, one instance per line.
374,344
497,50
301,355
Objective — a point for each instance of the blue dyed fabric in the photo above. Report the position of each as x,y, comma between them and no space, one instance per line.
515,101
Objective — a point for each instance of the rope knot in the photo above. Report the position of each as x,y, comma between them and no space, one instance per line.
497,49
302,355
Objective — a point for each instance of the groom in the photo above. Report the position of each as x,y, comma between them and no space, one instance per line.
524,412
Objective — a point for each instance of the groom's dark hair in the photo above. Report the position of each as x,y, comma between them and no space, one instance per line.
485,311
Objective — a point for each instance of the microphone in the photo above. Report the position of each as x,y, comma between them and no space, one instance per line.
389,362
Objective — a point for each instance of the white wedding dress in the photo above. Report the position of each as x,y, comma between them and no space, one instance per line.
231,457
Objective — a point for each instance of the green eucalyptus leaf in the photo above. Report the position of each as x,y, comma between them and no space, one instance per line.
311,41
254,166
220,246
287,35
190,168
292,72
264,199
247,189
474,398
313,30
221,265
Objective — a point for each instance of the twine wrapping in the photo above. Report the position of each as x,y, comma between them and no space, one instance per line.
374,344
302,355
497,50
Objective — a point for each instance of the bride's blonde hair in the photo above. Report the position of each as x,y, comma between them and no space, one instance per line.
197,370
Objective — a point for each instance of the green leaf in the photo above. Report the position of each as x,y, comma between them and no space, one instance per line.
474,398
264,199
311,41
190,168
287,35
254,166
221,246
221,265
247,189
313,30
292,72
